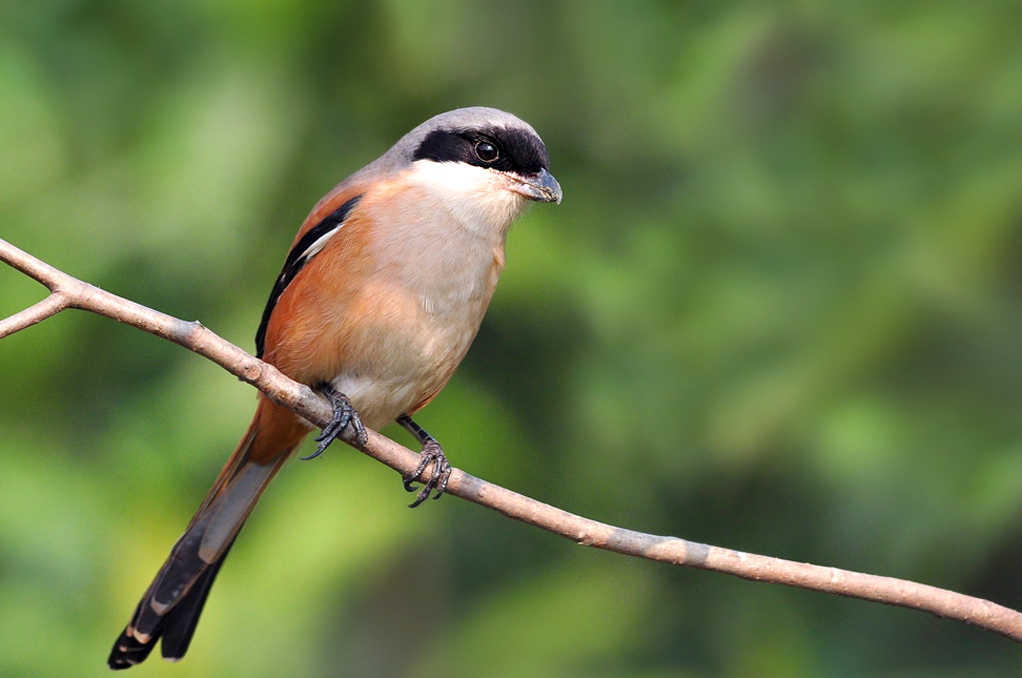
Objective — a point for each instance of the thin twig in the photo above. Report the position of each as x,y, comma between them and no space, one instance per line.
54,303
69,292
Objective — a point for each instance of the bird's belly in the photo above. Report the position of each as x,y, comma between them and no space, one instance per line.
400,360
402,369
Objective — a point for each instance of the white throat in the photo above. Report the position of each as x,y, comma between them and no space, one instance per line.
478,199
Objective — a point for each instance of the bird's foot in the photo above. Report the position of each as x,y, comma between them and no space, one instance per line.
431,453
344,416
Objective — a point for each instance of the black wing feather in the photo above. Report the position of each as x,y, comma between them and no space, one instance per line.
296,260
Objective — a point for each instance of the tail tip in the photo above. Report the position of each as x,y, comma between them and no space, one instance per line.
128,651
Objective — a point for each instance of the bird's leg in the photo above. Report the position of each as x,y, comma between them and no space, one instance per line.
344,416
431,452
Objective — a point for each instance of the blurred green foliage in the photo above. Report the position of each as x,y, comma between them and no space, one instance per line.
780,310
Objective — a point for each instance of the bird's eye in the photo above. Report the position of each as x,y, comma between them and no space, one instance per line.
486,151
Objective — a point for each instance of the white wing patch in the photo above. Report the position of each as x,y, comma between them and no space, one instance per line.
315,247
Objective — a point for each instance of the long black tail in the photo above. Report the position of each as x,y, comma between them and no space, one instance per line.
171,607
176,627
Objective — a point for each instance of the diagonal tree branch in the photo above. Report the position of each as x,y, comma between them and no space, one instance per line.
69,292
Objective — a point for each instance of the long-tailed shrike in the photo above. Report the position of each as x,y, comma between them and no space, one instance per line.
380,296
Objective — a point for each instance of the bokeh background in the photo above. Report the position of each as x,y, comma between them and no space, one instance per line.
779,310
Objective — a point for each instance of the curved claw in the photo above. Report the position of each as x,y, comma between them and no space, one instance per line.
319,451
421,497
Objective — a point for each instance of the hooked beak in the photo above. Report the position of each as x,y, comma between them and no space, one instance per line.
541,187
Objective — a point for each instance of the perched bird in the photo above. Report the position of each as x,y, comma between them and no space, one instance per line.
380,296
